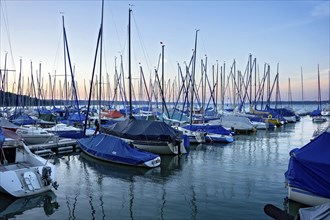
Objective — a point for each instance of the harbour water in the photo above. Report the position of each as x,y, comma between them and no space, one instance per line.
213,181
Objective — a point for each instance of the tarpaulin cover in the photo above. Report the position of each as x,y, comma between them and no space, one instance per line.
309,166
4,123
136,129
114,149
24,120
214,129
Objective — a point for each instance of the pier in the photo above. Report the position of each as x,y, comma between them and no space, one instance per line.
59,147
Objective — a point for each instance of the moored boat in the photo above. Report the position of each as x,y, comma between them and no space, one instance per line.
23,173
35,135
308,176
153,136
113,149
66,131
319,119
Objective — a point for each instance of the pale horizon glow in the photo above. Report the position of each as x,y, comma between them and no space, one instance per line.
293,34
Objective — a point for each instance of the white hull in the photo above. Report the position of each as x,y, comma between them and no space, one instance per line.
38,139
219,138
305,197
35,135
23,173
260,125
194,136
319,119
159,147
290,119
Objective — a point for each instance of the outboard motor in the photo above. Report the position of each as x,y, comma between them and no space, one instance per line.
46,172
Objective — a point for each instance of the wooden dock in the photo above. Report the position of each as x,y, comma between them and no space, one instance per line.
59,147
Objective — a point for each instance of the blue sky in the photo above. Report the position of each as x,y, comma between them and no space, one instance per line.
294,34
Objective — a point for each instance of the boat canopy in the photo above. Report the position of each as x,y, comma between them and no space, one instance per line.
4,123
23,120
215,129
136,129
309,166
114,149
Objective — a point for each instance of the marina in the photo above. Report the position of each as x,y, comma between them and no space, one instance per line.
205,137
216,181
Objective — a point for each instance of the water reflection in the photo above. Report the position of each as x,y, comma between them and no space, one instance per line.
130,183
11,207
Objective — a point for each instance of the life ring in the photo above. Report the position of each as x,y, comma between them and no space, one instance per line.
269,116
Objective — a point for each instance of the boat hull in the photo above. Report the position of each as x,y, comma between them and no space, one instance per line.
219,138
305,197
159,147
38,139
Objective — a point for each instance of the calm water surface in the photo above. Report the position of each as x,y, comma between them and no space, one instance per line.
220,181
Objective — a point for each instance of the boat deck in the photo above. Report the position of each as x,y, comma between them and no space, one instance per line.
14,166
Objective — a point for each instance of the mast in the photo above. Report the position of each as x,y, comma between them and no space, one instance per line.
163,87
319,87
65,74
100,87
193,79
129,64
302,85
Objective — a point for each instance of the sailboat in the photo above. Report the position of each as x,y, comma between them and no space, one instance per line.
153,136
110,148
326,109
316,114
302,111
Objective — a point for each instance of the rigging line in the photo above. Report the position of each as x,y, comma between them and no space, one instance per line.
116,29
148,60
4,12
57,51
203,43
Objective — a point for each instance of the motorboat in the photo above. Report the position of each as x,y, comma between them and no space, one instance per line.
35,135
319,119
23,173
113,149
308,176
193,136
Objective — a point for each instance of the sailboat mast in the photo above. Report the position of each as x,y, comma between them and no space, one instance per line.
100,87
129,64
65,73
163,82
319,88
193,80
302,85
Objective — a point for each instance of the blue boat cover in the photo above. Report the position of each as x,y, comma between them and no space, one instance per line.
74,134
2,137
214,129
136,129
23,120
113,149
309,166
316,112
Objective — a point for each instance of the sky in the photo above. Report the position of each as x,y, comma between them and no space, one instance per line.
294,35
